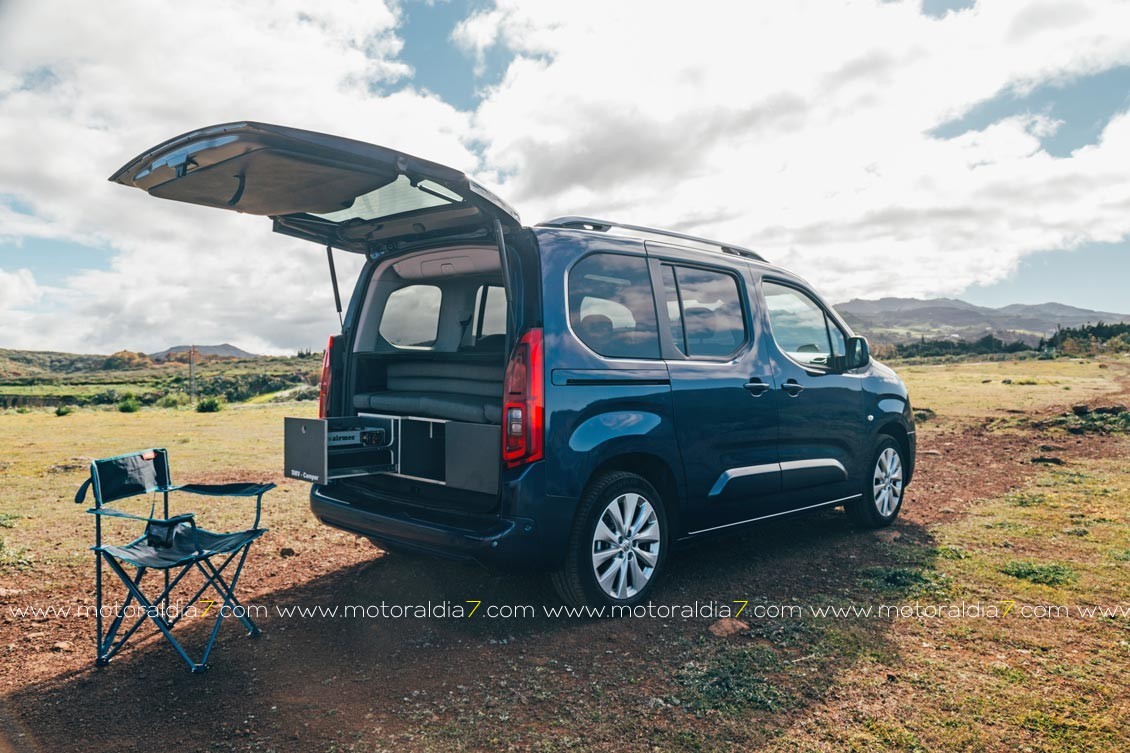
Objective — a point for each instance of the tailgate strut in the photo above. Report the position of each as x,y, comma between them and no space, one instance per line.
510,318
333,279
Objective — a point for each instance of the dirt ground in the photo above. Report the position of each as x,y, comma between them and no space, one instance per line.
371,683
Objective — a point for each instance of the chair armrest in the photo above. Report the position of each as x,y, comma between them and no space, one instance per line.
225,490
233,490
186,517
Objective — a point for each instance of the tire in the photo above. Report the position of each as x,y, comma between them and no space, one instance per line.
884,487
609,563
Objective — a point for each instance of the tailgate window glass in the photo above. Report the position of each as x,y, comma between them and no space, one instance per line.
611,308
397,197
411,316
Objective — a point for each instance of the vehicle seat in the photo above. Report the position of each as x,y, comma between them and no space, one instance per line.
456,391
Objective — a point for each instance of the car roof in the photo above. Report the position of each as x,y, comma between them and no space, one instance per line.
682,242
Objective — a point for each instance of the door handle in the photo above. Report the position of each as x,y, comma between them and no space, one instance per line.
756,387
793,387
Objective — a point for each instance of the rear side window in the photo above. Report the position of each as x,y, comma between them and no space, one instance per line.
800,327
704,308
490,312
411,316
611,308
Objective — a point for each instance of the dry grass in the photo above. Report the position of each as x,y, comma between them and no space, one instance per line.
970,391
45,457
1012,682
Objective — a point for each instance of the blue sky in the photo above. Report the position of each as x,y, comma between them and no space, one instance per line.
936,148
440,66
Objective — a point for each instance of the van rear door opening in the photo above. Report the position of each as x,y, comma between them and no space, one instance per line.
413,388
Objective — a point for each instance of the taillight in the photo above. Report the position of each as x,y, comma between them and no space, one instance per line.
523,405
324,385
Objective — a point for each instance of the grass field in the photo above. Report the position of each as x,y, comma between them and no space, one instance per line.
976,389
49,379
1039,548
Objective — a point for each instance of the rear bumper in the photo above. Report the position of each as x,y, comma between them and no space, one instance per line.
492,540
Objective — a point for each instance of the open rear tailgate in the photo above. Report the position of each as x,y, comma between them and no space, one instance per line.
325,188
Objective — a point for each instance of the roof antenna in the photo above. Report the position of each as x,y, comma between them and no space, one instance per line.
333,279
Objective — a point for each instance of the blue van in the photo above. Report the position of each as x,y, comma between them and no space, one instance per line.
579,396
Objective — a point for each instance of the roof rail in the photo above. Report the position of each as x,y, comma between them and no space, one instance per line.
604,226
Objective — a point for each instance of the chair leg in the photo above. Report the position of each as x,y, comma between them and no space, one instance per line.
109,648
99,659
228,592
109,643
106,640
151,611
200,592
228,596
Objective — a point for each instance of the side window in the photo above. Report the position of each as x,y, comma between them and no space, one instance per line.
611,308
705,311
674,310
800,327
411,316
490,312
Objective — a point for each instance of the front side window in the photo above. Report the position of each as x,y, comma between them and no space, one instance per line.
704,309
411,316
611,308
800,327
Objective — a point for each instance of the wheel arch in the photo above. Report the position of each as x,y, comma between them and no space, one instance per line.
657,472
896,431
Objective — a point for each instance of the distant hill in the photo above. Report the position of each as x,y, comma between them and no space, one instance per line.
24,364
223,351
896,320
30,363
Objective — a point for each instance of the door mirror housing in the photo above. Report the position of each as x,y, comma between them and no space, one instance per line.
858,353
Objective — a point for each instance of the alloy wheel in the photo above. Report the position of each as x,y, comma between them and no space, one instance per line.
625,546
888,482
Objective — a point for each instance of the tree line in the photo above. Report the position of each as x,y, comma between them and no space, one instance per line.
1087,339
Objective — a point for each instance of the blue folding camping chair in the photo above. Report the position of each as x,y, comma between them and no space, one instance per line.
174,545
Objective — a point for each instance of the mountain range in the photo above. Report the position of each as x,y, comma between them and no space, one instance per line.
895,320
225,351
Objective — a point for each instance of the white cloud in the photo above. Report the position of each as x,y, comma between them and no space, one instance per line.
78,99
18,289
802,129
799,128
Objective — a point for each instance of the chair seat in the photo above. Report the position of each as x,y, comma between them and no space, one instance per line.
183,548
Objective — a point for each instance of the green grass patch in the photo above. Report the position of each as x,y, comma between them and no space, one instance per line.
209,405
1061,478
129,404
916,581
1049,574
13,557
1099,421
1026,499
732,681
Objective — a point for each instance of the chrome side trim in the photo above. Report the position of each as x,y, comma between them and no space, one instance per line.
733,473
800,465
775,515
788,465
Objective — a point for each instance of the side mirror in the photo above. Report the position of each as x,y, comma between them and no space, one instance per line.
858,353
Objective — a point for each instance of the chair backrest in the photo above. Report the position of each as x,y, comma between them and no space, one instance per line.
127,475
